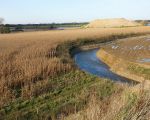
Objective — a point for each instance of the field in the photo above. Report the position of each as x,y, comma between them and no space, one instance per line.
38,78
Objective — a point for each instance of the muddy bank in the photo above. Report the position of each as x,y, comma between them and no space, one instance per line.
120,66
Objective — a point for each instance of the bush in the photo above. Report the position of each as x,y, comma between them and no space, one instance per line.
4,29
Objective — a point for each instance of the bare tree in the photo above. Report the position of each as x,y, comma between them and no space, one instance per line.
1,20
3,28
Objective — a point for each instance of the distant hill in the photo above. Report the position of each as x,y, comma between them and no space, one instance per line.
118,22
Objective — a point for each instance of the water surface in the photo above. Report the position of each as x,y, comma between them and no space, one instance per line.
88,61
144,60
148,24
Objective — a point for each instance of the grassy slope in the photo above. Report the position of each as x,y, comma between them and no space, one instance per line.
114,108
69,93
133,49
123,64
139,70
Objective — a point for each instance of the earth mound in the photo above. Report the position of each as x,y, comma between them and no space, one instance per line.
109,23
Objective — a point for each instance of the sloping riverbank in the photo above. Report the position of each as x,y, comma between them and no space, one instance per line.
122,67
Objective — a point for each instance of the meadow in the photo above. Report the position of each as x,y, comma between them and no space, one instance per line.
38,77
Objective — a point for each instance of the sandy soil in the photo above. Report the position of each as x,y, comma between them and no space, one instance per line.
106,23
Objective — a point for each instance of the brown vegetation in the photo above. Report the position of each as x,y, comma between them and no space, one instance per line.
120,66
133,49
29,59
123,57
125,105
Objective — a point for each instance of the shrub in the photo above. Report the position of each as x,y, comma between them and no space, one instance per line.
4,29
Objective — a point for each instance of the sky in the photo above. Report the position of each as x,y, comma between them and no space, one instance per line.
60,11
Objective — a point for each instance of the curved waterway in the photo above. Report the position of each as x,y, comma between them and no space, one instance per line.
88,62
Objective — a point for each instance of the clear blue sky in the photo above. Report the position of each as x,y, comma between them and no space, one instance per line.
47,11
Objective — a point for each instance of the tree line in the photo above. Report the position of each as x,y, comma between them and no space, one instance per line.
7,28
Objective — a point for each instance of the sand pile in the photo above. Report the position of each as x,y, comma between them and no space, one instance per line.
118,22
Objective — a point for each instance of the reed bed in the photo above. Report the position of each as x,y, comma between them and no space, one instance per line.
28,60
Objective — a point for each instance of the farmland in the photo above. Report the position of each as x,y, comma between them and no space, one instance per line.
38,77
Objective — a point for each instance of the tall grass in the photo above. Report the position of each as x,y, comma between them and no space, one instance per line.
29,60
140,71
124,105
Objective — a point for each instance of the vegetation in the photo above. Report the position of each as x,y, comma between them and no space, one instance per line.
1,20
4,29
126,56
62,95
133,49
125,105
144,22
141,71
36,27
38,78
52,25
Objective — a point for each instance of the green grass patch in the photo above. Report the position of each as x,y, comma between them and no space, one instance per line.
141,71
71,93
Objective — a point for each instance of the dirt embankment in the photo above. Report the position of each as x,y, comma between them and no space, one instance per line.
109,23
120,66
